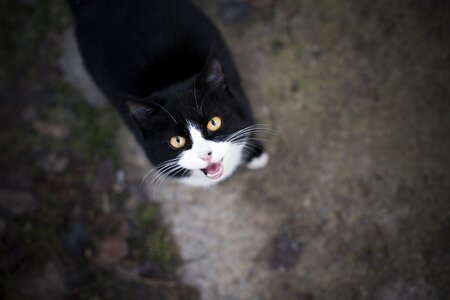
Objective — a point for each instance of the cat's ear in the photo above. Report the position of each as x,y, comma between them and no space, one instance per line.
213,75
137,110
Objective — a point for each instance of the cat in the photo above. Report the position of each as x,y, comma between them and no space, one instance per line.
166,69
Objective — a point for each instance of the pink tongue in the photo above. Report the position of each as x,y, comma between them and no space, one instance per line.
213,168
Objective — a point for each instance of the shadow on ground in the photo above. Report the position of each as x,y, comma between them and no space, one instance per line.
353,205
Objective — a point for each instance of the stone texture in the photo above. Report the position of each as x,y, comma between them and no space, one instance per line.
359,172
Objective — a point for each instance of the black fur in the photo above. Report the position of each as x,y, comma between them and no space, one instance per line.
161,62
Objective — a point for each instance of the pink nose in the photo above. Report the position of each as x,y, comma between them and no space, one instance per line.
207,157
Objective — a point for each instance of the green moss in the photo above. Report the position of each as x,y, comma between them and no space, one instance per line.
34,24
146,215
92,132
39,232
90,141
93,136
15,142
157,243
161,246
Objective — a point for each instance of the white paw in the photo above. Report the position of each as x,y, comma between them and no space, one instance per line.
259,162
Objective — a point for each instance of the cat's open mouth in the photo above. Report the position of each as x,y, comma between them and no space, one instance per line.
214,170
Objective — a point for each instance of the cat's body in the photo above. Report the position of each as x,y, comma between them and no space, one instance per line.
168,72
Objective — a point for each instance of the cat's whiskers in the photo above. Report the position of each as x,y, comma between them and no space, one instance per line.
157,168
163,171
163,176
250,146
257,128
170,115
245,137
247,133
199,109
166,176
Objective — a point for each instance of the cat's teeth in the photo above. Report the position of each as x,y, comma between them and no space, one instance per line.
214,170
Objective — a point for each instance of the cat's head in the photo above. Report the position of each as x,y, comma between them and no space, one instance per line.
197,129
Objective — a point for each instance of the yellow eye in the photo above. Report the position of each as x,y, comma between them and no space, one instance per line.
214,124
177,141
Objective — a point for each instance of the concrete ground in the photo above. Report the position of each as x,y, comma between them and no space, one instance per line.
355,201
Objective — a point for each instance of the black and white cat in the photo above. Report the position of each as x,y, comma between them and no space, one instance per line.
167,70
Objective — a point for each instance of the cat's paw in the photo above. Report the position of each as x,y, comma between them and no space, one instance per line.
259,162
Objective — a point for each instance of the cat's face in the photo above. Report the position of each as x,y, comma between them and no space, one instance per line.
195,130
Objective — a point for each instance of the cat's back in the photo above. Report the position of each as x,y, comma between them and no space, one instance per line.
173,17
139,46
